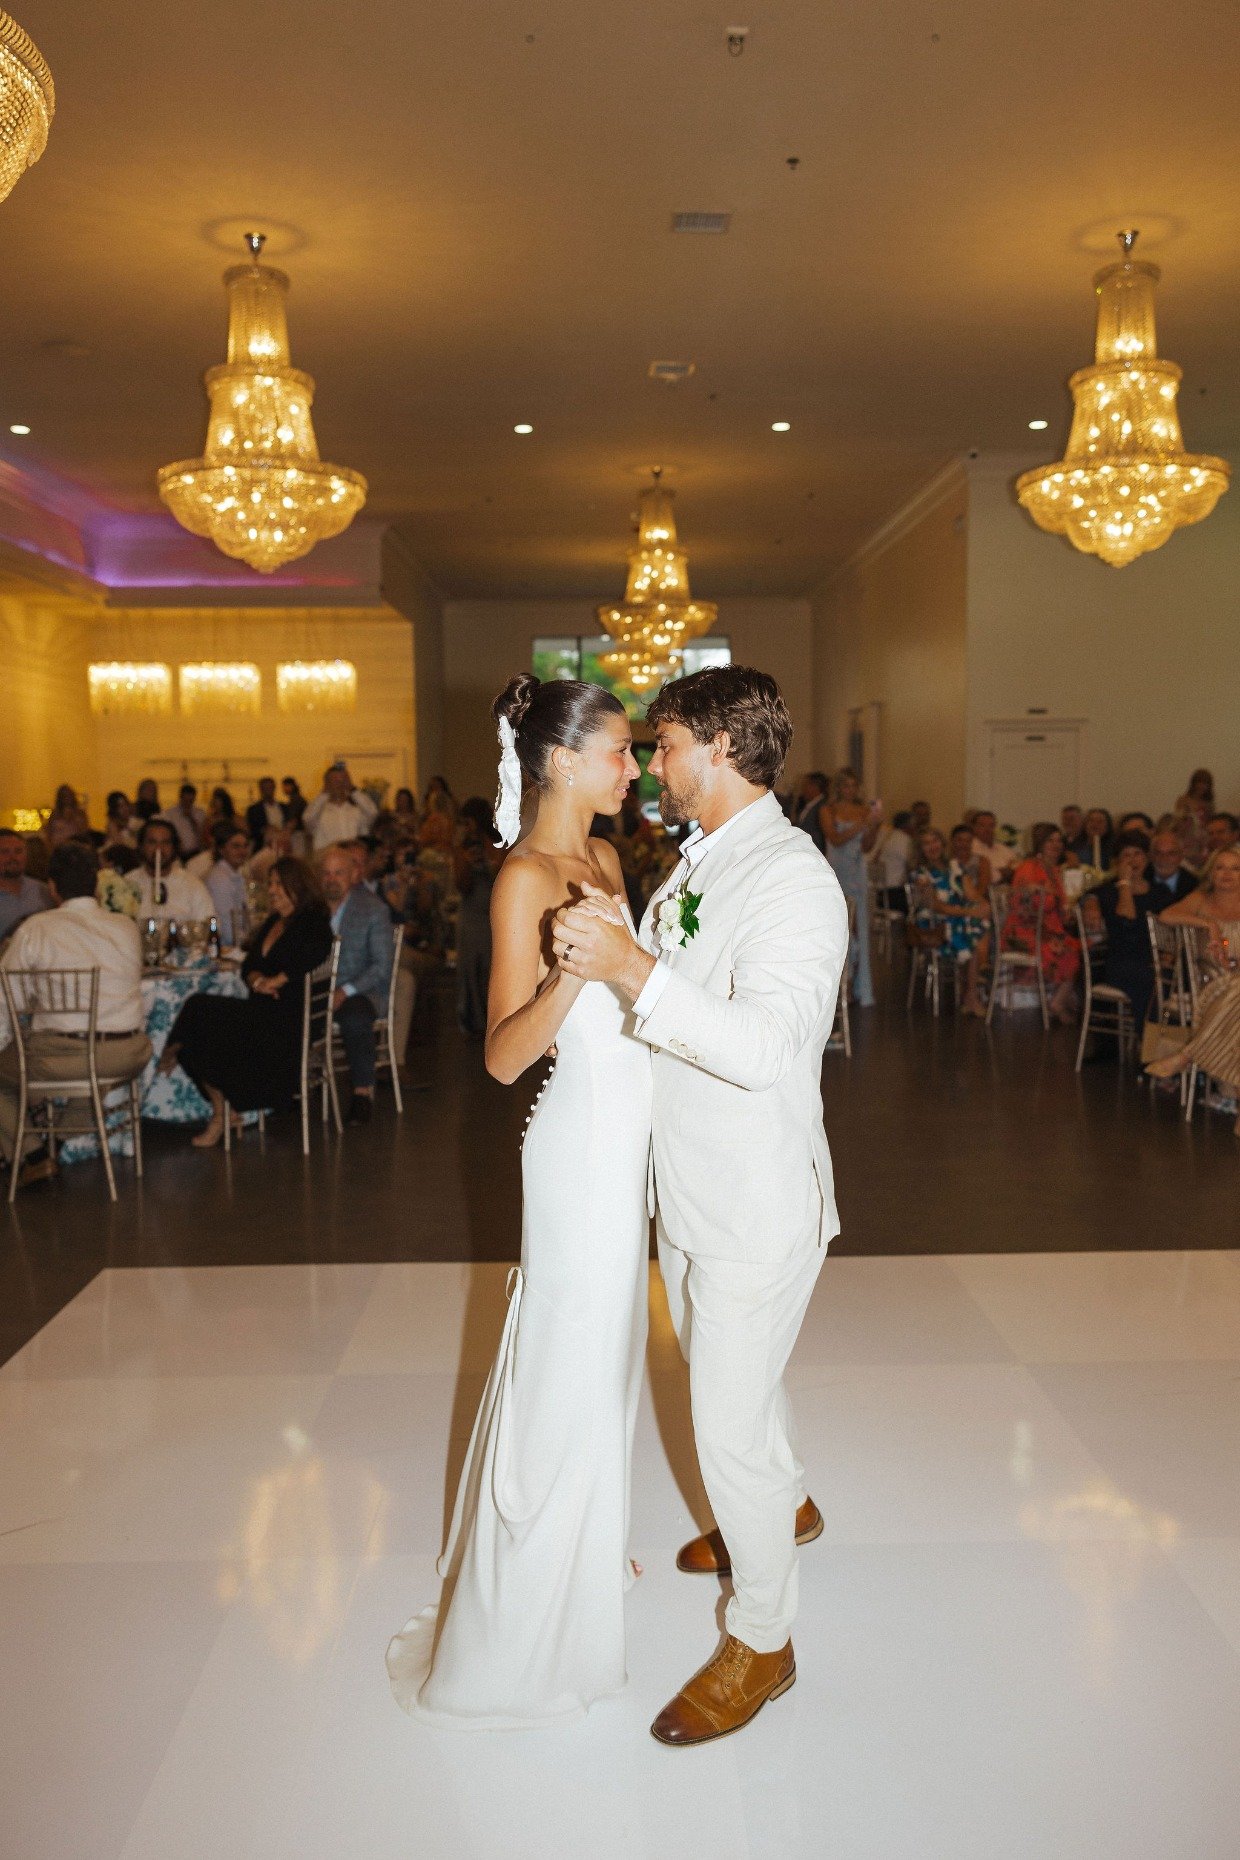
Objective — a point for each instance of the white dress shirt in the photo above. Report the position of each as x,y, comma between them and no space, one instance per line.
80,934
329,822
188,824
692,853
188,899
230,896
999,857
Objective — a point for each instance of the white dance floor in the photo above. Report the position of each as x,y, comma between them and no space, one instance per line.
222,1489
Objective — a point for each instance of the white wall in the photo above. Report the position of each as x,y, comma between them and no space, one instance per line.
486,642
1149,655
889,632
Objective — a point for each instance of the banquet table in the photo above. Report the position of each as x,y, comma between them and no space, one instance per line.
167,1098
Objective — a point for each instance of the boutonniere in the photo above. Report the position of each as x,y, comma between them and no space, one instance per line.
678,919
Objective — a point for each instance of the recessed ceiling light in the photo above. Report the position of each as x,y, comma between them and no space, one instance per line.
21,431
523,428
781,426
1038,426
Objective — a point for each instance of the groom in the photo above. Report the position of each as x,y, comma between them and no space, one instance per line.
733,985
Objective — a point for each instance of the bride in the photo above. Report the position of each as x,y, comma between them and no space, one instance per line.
530,1626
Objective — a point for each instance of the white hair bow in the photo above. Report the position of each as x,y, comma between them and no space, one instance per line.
508,800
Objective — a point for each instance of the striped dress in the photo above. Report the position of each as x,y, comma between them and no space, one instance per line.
1215,1045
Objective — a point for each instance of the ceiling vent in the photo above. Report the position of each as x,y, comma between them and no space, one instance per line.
701,222
671,372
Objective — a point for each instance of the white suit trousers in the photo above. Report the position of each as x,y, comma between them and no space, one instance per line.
737,1324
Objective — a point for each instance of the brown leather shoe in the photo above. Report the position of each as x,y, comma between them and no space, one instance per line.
708,1555
725,1695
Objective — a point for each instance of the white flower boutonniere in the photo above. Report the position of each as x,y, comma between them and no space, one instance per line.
678,919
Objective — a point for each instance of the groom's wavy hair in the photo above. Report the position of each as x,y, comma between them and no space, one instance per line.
747,704
558,714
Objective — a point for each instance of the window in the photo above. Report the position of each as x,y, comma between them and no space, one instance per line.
580,658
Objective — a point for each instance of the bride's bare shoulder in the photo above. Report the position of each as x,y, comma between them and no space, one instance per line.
527,879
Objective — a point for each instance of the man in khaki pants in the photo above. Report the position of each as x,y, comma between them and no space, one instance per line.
78,934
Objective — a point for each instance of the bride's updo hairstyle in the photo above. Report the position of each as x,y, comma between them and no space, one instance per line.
559,714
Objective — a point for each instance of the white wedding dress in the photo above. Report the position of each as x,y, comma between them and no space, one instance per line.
531,1622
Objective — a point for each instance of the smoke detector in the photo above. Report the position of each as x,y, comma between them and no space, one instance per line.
671,372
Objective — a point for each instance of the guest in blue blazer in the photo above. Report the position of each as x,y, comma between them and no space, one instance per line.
363,923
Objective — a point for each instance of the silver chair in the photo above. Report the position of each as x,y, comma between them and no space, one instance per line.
1008,964
841,1030
316,1070
1194,944
928,953
1107,1009
1173,999
386,1060
884,922
28,992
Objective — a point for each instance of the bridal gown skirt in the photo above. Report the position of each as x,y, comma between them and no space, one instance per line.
530,1625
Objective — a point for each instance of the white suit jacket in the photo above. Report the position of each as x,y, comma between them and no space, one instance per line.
741,1167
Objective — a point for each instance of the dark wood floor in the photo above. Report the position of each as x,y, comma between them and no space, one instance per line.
947,1138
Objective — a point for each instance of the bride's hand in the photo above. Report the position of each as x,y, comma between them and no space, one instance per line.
600,904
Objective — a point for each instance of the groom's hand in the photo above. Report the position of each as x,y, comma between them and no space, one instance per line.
598,947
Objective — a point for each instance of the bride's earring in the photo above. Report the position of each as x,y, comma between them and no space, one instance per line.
570,781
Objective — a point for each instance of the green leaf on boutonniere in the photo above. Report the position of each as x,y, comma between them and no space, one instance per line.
688,913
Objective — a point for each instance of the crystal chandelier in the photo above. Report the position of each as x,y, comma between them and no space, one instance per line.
261,492
658,614
117,686
27,104
304,685
1126,482
216,688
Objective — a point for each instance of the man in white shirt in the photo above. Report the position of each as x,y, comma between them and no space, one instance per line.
1000,858
226,881
20,895
187,821
181,898
79,934
340,812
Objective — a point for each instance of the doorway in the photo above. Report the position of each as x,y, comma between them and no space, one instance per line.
1033,767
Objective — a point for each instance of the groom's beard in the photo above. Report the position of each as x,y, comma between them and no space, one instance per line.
678,807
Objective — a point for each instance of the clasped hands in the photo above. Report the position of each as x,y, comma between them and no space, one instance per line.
593,942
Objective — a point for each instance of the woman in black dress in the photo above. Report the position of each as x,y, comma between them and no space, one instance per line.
247,1053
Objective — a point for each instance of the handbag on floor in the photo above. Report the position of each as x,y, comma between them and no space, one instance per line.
1160,1041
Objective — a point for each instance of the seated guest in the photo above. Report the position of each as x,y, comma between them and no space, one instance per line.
1100,834
363,923
187,821
118,858
222,807
265,812
1135,822
1001,859
1075,839
20,895
967,910
890,862
1222,833
921,817
119,829
77,934
182,898
226,882
1120,906
146,801
1170,879
247,1054
1040,878
1215,1043
67,820
930,883
340,812
478,860
405,807
439,798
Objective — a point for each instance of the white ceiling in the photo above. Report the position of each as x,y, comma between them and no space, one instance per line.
480,195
